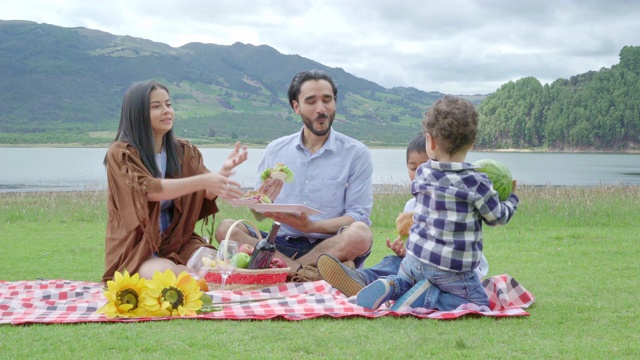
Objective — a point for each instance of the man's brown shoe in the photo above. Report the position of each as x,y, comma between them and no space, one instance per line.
306,273
341,277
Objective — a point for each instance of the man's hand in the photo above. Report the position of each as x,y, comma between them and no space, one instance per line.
271,188
300,222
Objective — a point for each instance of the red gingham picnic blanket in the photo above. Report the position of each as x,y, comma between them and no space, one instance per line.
66,301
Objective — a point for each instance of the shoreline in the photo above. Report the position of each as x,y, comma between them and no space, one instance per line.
259,146
569,151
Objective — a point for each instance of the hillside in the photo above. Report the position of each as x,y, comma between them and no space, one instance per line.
594,111
65,85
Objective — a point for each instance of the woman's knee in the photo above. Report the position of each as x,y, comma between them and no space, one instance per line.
151,266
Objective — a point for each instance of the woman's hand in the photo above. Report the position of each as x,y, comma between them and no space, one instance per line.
235,158
218,185
213,184
397,246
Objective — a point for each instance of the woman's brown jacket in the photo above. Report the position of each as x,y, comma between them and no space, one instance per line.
133,229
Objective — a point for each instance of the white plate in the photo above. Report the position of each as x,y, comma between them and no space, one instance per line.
284,208
240,202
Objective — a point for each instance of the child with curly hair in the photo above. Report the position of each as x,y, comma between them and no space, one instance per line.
453,199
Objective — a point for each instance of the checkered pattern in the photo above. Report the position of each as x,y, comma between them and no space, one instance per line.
506,293
65,301
453,200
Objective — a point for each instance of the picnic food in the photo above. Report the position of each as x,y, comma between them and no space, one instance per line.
499,175
208,262
278,172
255,194
241,260
277,263
202,283
404,221
246,248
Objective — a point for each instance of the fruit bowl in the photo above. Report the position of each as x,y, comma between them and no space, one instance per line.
246,279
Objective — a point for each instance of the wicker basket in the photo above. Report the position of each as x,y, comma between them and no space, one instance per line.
246,279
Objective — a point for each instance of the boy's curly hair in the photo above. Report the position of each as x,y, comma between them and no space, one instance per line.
453,122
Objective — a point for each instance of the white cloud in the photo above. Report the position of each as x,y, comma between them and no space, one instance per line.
458,47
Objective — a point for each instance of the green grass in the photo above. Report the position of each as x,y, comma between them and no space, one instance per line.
576,249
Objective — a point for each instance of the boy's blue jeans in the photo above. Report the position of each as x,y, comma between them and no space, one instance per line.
448,289
390,265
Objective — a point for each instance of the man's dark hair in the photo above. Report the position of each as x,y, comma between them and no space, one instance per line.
302,77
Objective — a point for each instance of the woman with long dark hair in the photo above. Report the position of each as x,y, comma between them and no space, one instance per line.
158,188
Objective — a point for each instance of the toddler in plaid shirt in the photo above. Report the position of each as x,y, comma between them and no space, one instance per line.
453,199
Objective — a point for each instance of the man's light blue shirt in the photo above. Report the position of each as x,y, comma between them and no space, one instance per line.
335,180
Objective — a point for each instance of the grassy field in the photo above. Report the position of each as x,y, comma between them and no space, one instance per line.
576,249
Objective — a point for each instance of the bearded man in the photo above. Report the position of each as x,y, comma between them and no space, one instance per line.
332,173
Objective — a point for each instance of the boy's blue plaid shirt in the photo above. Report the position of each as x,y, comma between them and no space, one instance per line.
452,201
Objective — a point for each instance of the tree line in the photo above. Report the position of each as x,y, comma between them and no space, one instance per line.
597,110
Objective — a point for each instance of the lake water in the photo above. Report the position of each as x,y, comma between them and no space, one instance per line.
70,169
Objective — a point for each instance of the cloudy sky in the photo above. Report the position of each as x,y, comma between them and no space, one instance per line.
451,46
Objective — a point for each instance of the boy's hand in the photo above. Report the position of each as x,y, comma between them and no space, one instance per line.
397,246
513,189
404,221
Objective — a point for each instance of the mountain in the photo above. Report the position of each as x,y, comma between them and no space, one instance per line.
65,85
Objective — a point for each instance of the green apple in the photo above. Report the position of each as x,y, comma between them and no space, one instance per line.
241,260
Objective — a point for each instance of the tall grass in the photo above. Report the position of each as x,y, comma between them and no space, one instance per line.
576,249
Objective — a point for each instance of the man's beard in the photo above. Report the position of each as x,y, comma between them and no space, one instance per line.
309,124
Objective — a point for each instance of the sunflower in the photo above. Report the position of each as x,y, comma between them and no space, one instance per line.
167,295
124,296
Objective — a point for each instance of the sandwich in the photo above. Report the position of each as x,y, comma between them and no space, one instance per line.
260,199
256,195
404,221
278,172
